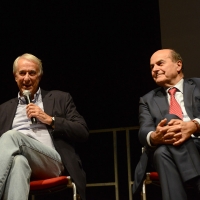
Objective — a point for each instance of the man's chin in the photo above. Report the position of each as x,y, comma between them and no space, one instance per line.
160,82
27,88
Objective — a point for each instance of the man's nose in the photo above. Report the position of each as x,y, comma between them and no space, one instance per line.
27,77
155,68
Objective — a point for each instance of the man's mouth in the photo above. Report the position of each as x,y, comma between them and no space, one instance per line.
159,74
27,86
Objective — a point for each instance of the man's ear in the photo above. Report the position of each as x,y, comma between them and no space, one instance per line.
179,65
15,77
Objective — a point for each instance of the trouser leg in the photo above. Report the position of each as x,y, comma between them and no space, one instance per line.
17,184
44,161
170,179
187,159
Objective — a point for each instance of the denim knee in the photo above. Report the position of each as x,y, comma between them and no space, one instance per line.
9,134
21,161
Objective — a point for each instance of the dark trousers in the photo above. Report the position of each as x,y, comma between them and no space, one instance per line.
177,165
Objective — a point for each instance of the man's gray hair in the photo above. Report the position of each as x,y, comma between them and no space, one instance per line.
176,56
29,57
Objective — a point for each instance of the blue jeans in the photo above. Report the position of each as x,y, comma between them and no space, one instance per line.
23,158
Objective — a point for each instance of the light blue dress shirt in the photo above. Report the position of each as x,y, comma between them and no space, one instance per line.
24,125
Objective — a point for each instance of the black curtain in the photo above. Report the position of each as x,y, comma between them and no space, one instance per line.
97,50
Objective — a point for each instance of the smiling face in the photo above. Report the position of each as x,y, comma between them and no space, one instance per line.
164,70
27,75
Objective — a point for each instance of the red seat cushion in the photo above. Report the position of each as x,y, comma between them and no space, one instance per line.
154,176
48,183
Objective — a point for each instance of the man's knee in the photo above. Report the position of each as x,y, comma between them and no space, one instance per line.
20,162
160,153
11,134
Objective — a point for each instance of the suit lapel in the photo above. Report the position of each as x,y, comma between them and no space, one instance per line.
161,101
10,112
188,90
48,102
163,105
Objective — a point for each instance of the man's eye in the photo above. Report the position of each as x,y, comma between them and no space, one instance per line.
22,73
32,73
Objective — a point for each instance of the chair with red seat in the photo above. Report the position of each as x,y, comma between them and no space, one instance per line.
151,178
47,186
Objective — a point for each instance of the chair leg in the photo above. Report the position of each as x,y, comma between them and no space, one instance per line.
74,191
32,197
143,193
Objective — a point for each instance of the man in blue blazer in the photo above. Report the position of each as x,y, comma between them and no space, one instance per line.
173,142
44,149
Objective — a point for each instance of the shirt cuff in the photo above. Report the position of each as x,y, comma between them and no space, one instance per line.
198,120
148,139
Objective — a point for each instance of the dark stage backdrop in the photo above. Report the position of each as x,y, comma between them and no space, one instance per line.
180,30
98,51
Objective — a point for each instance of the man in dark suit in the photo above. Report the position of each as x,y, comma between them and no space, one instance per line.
44,149
173,139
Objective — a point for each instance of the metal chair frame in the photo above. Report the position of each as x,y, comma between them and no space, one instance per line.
54,189
148,180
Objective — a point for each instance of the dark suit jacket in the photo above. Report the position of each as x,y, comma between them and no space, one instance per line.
70,127
153,107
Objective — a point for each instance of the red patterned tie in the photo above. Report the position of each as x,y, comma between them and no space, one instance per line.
174,107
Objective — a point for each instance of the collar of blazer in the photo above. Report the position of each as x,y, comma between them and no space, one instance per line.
188,95
188,90
11,107
48,101
160,99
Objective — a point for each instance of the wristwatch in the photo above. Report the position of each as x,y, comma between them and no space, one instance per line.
53,120
197,125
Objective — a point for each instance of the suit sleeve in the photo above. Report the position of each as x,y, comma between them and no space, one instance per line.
68,122
146,121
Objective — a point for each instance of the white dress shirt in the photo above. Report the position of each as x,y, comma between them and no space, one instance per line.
24,125
179,99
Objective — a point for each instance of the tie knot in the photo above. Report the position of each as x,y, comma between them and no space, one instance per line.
172,91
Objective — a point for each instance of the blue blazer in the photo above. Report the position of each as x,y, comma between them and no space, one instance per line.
70,128
153,107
